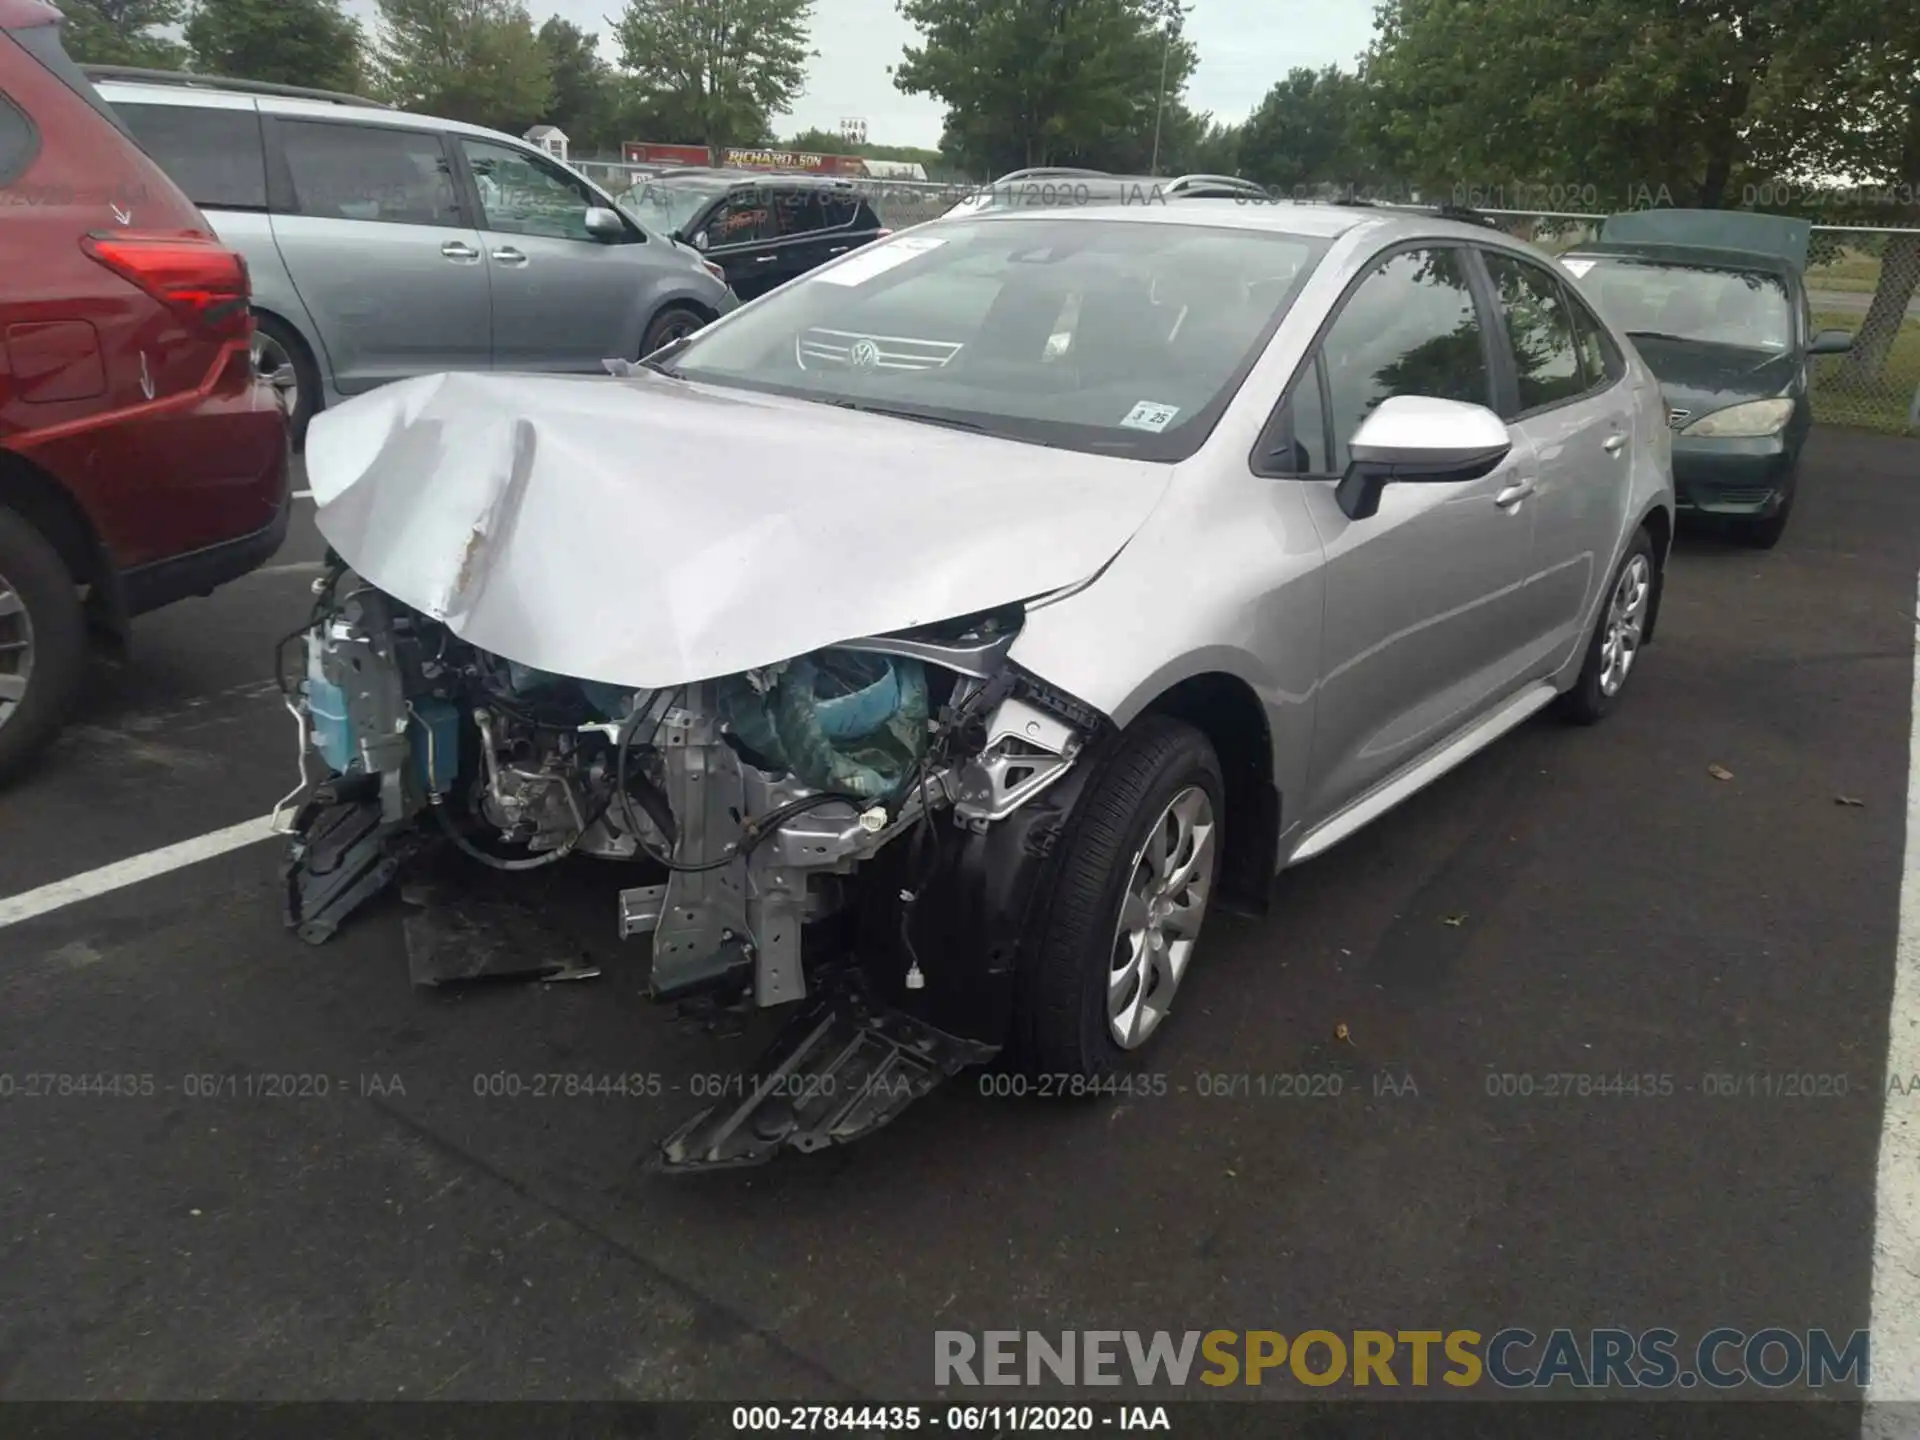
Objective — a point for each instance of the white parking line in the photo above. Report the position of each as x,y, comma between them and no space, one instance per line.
1896,1223
131,872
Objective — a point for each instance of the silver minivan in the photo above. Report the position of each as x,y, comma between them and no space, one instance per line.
384,245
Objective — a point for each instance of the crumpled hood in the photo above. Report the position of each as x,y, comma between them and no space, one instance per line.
648,532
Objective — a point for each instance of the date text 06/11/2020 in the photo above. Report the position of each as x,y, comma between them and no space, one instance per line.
959,1419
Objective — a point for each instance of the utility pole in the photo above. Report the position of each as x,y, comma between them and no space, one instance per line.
1160,101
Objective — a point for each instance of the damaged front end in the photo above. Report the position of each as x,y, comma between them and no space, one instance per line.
860,831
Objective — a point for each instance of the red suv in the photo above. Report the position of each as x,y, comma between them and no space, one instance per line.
140,459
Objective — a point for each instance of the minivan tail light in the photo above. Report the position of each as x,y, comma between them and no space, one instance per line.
194,275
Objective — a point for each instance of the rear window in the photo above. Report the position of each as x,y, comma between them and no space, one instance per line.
43,43
369,172
213,155
19,141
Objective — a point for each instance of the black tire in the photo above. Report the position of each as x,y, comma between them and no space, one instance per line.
668,326
306,374
1060,1022
32,569
1765,534
1588,701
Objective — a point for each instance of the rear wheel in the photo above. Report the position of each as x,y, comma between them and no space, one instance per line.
43,643
1617,634
1136,878
279,356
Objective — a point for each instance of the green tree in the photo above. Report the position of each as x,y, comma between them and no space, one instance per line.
1047,82
120,32
1302,134
473,60
584,104
290,42
721,68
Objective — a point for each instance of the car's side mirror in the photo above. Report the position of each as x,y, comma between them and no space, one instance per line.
700,240
1418,439
1831,342
605,224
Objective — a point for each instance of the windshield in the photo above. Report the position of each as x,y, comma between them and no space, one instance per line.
1109,336
666,207
1718,307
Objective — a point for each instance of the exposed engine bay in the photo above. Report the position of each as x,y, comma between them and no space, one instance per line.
861,829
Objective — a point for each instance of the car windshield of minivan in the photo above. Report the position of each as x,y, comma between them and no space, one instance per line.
667,207
1114,337
1747,308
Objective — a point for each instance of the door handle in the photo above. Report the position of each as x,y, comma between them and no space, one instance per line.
1614,444
765,259
838,250
507,255
457,250
1513,494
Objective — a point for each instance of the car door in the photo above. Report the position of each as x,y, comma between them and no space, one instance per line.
1425,623
562,299
371,228
741,233
1576,415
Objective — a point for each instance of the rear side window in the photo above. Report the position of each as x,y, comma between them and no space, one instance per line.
213,155
19,141
1600,360
1546,363
369,172
43,43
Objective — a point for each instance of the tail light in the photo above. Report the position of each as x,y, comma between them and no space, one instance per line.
193,275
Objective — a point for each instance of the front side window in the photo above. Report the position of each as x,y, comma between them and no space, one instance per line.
213,155
522,194
1104,336
1411,328
1546,359
369,172
1748,309
743,219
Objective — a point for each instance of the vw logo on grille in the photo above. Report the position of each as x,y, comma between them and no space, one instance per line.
864,355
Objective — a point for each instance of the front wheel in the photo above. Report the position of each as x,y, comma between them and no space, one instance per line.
1617,633
1141,859
669,325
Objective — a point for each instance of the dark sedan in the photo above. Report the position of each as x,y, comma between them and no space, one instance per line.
761,229
1727,328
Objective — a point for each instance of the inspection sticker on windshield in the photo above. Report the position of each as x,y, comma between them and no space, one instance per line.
1577,268
1150,415
863,266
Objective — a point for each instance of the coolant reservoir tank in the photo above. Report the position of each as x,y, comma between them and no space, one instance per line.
327,709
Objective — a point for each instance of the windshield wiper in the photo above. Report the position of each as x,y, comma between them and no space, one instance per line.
906,415
1660,335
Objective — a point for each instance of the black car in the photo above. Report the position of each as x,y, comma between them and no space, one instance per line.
762,230
1716,303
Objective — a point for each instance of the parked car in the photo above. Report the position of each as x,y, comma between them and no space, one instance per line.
1716,301
761,229
140,461
955,696
384,244
1050,187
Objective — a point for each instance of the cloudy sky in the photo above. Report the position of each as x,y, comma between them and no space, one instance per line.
1245,45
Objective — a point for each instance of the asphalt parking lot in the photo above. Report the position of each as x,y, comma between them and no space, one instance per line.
1589,901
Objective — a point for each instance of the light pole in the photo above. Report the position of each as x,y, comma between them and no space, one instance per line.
1160,101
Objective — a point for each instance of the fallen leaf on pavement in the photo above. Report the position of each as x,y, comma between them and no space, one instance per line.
1454,920
1847,800
1340,1032
1719,772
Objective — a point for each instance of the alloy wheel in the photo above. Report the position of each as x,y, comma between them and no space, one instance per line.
272,363
16,650
1626,620
1160,917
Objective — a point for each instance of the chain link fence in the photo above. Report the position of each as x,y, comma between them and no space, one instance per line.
1862,280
